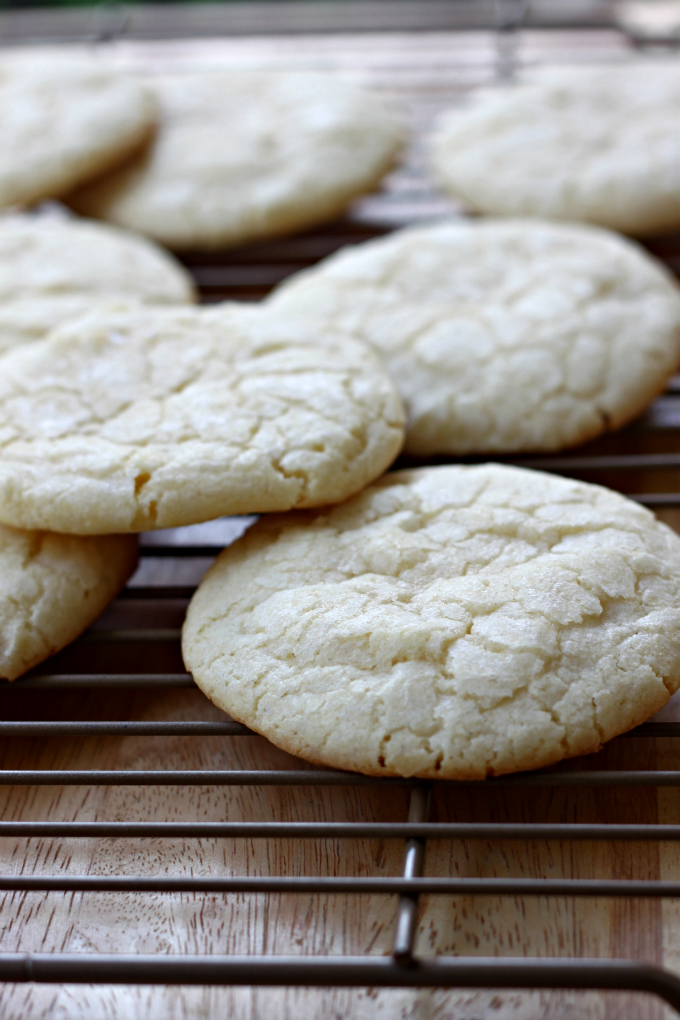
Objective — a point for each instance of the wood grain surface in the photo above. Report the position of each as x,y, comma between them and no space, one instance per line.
424,73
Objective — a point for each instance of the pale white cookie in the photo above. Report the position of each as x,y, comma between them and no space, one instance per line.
503,335
453,623
63,122
53,587
247,155
600,144
53,269
157,418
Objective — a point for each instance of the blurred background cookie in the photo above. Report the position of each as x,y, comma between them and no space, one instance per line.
55,268
52,588
449,623
156,418
600,144
247,155
63,122
502,335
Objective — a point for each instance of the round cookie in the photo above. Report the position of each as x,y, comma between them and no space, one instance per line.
452,623
600,144
503,335
155,418
53,587
248,155
53,269
63,122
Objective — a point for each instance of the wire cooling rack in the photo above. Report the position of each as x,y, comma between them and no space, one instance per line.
134,651
403,967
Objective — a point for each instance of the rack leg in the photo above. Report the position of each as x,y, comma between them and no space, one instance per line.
414,859
510,16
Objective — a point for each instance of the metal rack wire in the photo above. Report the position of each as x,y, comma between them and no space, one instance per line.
403,968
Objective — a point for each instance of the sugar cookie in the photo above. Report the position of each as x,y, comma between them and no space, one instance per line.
156,418
63,122
502,335
600,144
54,269
248,155
453,623
53,587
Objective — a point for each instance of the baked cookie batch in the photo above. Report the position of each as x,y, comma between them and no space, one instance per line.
447,622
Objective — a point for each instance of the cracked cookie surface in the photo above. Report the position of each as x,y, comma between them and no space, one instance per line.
54,269
53,587
453,622
248,155
157,418
63,122
596,144
503,335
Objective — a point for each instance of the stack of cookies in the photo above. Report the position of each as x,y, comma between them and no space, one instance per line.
155,413
453,621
